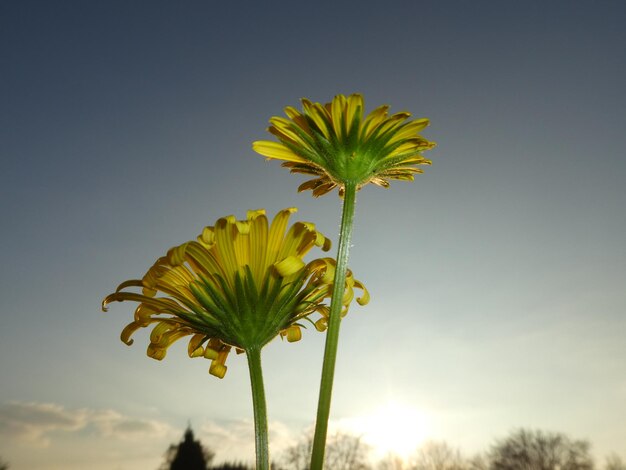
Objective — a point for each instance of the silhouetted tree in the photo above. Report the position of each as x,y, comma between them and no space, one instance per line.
614,462
433,456
189,454
346,452
343,452
437,456
477,462
3,465
231,466
298,456
534,450
391,461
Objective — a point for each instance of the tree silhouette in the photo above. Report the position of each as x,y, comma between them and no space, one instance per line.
535,450
432,455
438,456
3,465
189,454
391,461
614,462
343,452
477,462
231,466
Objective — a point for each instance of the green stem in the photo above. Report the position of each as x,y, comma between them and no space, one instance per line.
260,409
332,335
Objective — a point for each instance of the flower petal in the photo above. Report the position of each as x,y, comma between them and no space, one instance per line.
276,150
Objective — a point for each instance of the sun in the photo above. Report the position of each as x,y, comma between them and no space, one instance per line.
393,428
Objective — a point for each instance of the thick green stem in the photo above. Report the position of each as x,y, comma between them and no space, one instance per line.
332,335
260,409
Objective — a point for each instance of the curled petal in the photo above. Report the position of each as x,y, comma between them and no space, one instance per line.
207,237
365,298
129,283
321,324
293,333
194,348
176,255
128,331
143,314
218,367
289,266
159,331
156,352
210,353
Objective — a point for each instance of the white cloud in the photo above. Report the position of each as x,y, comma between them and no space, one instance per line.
234,440
36,423
110,423
117,438
33,421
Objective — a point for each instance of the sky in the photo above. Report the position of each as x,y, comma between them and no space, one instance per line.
497,277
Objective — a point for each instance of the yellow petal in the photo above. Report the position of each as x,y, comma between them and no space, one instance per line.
194,348
224,238
298,119
354,110
365,298
276,150
283,128
143,314
289,266
207,237
322,241
321,324
210,353
218,367
128,331
156,352
218,370
338,107
373,120
318,114
176,255
393,121
258,246
203,260
409,130
241,242
277,233
293,333
292,112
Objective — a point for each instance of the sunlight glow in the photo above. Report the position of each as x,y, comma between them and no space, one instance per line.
394,428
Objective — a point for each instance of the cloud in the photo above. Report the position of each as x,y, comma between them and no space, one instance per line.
234,439
39,425
110,423
35,423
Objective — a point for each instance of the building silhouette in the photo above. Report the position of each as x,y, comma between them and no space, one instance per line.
189,454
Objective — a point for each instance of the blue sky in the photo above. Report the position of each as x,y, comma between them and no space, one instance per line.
497,278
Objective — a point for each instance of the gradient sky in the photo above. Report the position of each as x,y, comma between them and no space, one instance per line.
497,278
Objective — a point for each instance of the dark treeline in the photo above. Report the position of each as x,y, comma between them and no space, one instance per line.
522,449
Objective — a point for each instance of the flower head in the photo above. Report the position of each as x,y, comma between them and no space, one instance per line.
338,144
240,284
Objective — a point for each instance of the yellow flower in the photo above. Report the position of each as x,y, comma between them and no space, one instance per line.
242,283
337,144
